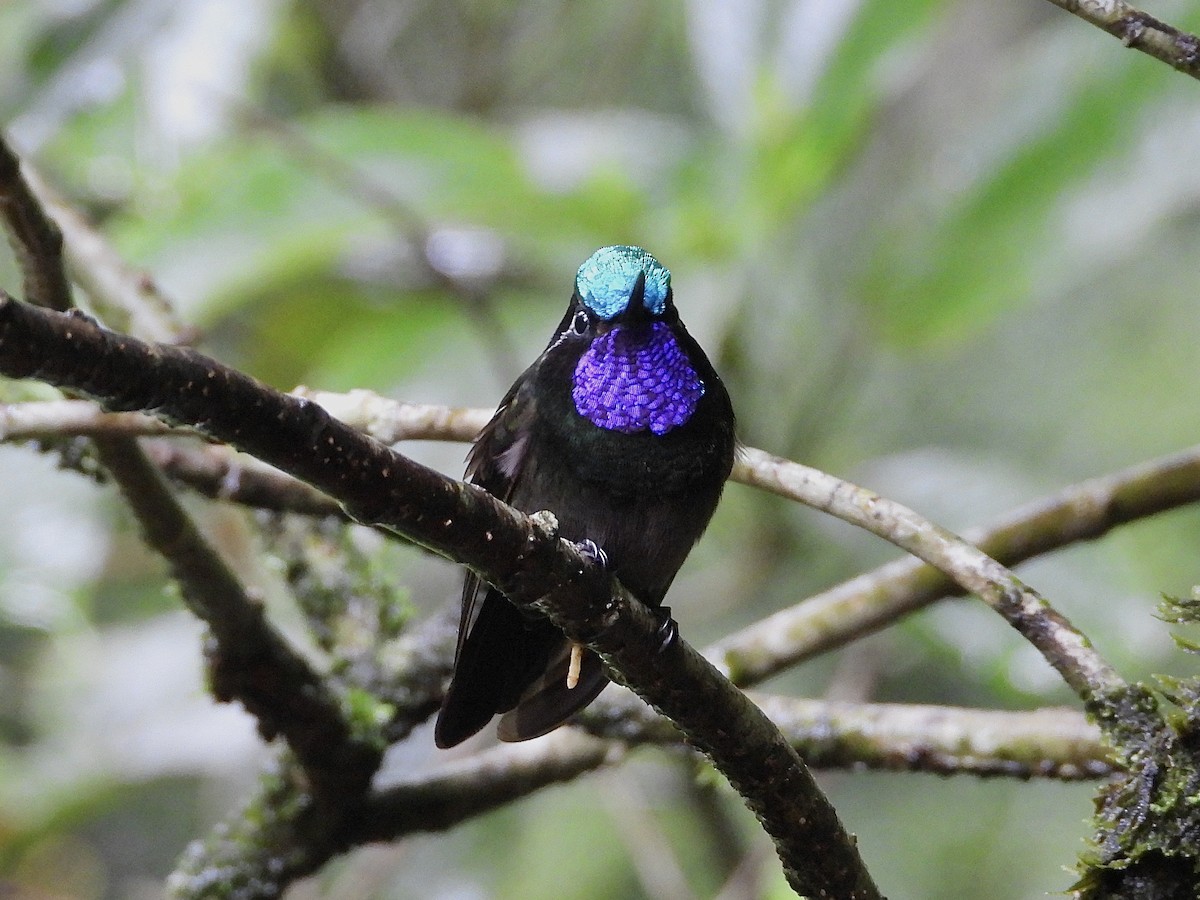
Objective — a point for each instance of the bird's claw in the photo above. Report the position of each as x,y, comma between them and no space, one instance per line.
668,628
589,549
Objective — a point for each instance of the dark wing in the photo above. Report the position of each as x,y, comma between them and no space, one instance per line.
506,661
496,463
492,661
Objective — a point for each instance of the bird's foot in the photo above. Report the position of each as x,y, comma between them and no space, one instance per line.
668,628
574,666
589,549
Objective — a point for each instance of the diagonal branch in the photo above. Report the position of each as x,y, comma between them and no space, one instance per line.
868,602
1141,31
35,239
518,554
1059,642
128,298
249,660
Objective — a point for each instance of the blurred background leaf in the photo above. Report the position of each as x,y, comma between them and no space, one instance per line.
944,249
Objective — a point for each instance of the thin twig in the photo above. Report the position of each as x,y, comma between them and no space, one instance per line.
216,472
128,299
43,419
473,298
1140,31
35,239
1059,642
1049,743
392,421
388,421
659,871
868,602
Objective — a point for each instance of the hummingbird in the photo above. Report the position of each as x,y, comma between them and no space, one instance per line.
623,430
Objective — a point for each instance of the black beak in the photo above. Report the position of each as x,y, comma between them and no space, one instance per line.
635,311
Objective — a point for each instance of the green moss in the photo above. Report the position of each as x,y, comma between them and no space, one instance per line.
367,716
1147,839
256,852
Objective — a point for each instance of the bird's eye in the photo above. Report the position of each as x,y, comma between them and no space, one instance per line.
579,324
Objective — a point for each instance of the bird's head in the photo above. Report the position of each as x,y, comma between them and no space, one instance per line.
634,372
624,284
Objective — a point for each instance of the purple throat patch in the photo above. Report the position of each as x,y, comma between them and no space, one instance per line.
628,382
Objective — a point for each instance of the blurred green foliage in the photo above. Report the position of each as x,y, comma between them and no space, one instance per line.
941,249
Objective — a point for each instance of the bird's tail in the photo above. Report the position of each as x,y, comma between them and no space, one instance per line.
511,663
548,701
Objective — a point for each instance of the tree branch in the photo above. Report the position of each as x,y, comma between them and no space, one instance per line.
830,619
1045,743
519,555
218,473
128,298
269,842
864,604
248,659
35,240
1140,31
1050,743
472,785
1059,642
49,419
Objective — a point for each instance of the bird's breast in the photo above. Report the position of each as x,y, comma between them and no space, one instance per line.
633,380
